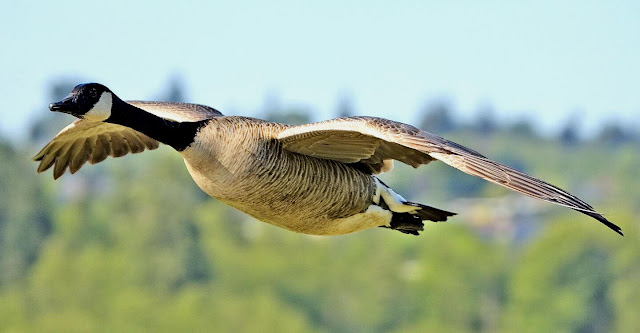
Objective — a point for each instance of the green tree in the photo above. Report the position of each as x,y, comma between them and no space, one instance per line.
25,216
562,283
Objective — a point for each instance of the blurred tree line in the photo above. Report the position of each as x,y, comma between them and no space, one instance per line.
134,245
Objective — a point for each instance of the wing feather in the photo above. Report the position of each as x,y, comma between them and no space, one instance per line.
79,155
378,139
101,149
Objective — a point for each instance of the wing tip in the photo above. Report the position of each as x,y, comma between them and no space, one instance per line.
615,228
39,156
604,221
57,175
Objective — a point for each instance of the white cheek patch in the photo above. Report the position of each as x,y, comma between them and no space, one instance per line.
102,110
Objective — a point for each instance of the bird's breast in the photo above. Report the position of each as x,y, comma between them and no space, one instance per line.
294,191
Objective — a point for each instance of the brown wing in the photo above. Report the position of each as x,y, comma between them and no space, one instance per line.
85,140
371,140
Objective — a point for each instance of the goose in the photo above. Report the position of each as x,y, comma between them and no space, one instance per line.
317,178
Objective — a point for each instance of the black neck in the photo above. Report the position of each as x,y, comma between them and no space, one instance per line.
175,134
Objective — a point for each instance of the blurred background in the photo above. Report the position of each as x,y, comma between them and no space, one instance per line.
133,245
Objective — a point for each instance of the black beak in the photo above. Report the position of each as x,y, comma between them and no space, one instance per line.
66,105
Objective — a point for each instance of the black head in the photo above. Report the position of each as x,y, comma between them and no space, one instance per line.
91,101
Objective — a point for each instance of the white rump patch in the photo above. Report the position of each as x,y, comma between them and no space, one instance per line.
100,111
394,200
373,217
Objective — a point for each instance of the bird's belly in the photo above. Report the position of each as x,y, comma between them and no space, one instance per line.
374,216
303,202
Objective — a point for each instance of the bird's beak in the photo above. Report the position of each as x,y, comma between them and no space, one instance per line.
66,105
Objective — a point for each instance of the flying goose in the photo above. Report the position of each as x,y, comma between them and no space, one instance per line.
316,178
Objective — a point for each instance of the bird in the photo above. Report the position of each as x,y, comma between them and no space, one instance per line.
318,178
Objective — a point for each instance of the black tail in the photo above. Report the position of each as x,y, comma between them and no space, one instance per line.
430,213
411,223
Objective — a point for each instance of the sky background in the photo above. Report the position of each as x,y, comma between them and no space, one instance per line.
543,60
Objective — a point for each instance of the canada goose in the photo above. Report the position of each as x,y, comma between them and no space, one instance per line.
315,178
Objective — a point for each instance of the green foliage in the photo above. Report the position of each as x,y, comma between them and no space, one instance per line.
577,279
24,216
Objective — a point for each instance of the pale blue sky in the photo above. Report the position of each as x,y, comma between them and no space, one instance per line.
542,59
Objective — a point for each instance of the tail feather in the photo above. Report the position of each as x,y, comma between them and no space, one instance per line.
430,213
406,216
412,223
406,223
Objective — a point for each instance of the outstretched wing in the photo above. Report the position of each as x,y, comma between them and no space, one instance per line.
373,141
85,140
